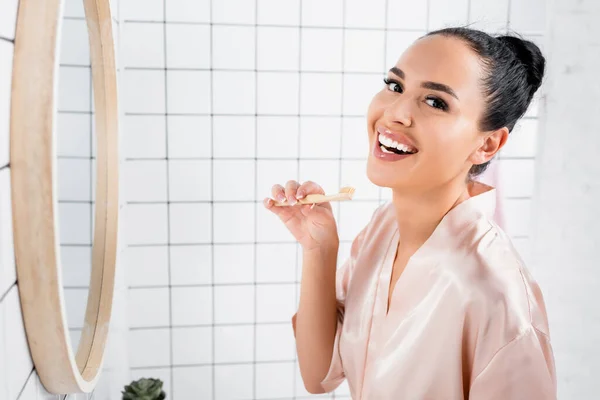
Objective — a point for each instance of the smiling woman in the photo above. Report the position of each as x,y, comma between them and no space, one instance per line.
433,302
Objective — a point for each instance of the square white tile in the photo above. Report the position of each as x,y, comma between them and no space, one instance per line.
354,217
234,263
164,374
76,265
233,47
321,94
146,180
190,223
320,137
275,303
143,45
188,92
191,265
523,140
143,10
278,48
75,45
354,173
191,306
326,173
396,44
189,136
272,99
362,14
234,11
322,49
74,179
75,223
491,16
234,92
234,136
146,224
275,342
278,12
6,59
147,265
407,14
323,13
8,18
528,16
75,303
74,134
148,307
15,344
355,138
74,89
234,344
443,13
364,51
146,129
143,92
188,10
196,380
240,374
188,46
277,137
234,304
517,217
234,222
189,180
149,348
275,380
8,273
517,177
276,263
192,345
74,8
359,90
233,180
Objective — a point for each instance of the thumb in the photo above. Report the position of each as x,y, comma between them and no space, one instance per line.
306,209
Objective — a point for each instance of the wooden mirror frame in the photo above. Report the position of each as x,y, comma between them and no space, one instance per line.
34,194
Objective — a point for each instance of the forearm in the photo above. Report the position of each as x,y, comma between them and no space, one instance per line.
316,319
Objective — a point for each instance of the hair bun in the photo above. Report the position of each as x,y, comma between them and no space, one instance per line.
530,55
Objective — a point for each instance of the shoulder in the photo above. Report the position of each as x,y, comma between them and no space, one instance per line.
503,299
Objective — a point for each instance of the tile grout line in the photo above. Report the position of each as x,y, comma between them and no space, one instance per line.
212,203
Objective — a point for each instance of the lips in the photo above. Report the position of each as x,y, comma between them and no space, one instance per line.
396,139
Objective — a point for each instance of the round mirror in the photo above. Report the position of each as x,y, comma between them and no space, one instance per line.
64,174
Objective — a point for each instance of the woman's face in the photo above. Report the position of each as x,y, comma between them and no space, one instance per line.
427,118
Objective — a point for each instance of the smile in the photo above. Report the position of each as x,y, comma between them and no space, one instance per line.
390,146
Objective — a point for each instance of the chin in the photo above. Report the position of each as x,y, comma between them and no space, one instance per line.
379,175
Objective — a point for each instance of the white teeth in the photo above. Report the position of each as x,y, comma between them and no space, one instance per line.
386,141
386,150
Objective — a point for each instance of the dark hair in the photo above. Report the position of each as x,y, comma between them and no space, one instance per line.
514,71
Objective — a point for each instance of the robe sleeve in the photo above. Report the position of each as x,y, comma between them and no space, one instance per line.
523,369
335,375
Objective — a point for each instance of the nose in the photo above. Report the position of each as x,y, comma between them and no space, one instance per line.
399,111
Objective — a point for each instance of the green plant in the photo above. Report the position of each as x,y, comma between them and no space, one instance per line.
144,389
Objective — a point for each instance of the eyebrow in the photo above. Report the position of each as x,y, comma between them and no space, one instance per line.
427,85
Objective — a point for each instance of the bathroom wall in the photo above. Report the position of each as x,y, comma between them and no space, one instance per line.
18,378
224,98
566,217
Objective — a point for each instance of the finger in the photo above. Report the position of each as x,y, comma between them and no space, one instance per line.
278,193
308,187
291,187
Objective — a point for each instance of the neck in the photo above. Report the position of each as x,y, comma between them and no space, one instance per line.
418,214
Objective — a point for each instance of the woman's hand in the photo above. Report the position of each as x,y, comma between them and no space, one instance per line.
313,226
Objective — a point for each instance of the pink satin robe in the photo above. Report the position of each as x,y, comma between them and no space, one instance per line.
466,319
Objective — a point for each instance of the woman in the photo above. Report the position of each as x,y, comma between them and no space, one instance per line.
434,302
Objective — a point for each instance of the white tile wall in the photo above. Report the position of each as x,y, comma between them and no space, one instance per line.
264,91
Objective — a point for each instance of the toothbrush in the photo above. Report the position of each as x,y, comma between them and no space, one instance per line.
345,193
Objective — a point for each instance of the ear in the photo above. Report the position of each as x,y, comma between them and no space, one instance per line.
491,143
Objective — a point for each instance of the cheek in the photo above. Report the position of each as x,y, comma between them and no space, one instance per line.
448,144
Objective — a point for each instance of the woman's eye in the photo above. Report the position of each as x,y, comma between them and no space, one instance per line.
393,86
437,103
